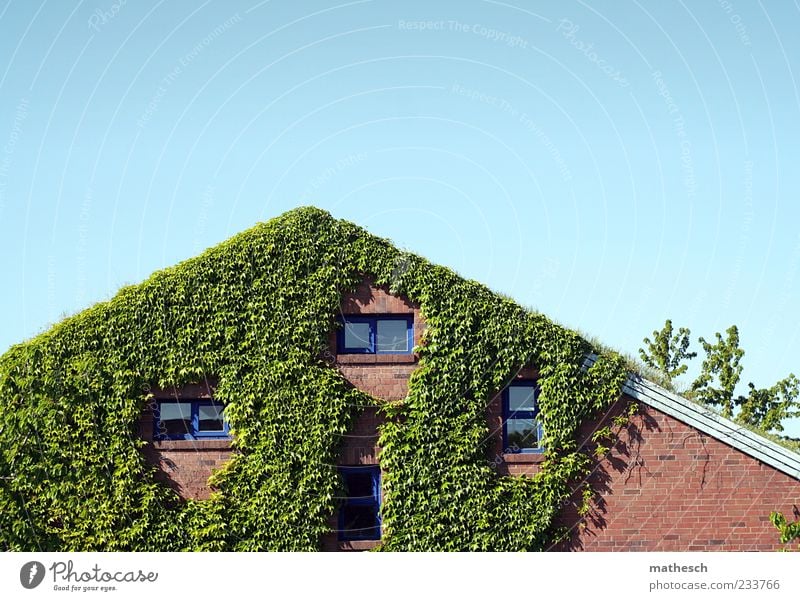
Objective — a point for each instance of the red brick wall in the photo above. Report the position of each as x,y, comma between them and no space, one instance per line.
382,376
184,465
360,444
667,487
385,379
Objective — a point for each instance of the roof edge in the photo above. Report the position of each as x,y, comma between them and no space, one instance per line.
711,423
716,426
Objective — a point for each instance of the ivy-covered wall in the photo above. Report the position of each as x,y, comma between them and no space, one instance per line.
256,312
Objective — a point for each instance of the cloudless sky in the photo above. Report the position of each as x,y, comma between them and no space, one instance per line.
611,164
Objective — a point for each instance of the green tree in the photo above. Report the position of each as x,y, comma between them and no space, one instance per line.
668,351
721,370
768,407
765,408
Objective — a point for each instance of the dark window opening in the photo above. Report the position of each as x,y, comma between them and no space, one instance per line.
189,419
359,513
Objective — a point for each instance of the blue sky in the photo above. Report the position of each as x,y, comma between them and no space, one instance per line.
609,164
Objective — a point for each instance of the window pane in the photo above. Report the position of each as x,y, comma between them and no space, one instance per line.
521,398
523,433
175,419
356,336
358,483
360,522
210,418
392,336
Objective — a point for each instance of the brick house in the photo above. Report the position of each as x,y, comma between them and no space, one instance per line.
679,477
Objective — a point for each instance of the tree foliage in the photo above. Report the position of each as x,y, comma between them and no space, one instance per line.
768,407
721,370
667,351
765,408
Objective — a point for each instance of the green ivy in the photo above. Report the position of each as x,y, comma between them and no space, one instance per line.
789,531
256,312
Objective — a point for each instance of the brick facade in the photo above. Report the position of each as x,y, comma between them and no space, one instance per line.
505,462
184,465
382,376
665,486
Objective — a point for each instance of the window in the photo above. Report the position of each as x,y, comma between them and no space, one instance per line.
190,419
359,514
376,335
522,430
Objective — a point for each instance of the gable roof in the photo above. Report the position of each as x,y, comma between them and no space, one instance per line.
256,311
678,407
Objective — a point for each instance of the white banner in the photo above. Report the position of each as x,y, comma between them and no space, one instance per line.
402,576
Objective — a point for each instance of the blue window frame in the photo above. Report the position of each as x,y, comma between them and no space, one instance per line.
376,334
359,512
190,419
522,429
